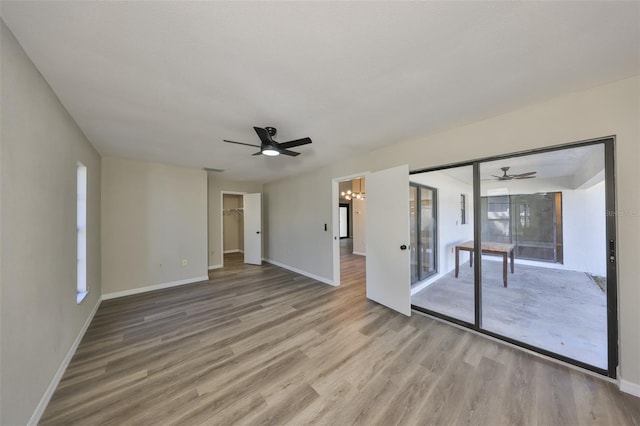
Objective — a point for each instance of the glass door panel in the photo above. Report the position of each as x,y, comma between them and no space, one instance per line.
427,232
543,245
413,234
446,221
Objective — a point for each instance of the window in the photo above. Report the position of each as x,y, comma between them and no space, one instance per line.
532,222
81,226
463,209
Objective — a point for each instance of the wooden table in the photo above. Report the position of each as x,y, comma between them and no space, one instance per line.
502,249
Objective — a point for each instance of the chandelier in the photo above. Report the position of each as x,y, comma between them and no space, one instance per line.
355,194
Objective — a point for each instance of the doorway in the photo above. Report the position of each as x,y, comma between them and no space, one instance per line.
349,220
241,227
233,227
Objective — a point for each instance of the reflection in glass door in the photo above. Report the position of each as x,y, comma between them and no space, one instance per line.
422,210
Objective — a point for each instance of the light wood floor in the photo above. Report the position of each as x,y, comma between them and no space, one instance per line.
262,345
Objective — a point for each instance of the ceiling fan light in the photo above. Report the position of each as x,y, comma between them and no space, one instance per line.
270,151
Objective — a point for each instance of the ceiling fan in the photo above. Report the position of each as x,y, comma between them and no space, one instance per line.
505,176
270,147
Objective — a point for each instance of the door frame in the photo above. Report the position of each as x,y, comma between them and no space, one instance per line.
222,194
608,143
335,220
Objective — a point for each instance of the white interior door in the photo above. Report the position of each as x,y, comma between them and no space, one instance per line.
253,229
388,273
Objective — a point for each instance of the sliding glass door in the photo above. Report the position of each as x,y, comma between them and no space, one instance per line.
544,260
423,221
536,266
446,219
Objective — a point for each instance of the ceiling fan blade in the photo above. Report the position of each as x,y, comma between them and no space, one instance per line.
524,174
263,134
297,142
241,143
258,153
289,153
524,177
498,177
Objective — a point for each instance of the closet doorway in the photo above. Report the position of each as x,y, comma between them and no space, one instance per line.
241,225
233,227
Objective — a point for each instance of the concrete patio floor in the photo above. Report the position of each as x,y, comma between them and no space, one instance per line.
561,311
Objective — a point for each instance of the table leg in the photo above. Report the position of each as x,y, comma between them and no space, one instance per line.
457,261
512,261
504,268
470,259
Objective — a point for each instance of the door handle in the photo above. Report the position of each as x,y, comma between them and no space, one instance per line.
612,251
403,247
257,232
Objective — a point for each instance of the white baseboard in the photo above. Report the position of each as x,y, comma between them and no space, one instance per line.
629,387
233,251
44,401
218,266
153,287
301,272
359,253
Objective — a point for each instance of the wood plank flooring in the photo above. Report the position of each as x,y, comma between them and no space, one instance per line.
262,345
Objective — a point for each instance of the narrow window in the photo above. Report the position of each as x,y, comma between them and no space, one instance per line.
81,224
463,209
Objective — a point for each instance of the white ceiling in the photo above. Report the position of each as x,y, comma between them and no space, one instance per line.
167,81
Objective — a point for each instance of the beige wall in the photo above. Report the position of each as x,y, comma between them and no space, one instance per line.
216,185
154,216
40,319
233,223
295,229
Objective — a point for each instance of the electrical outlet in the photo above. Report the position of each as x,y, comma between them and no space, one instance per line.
184,262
